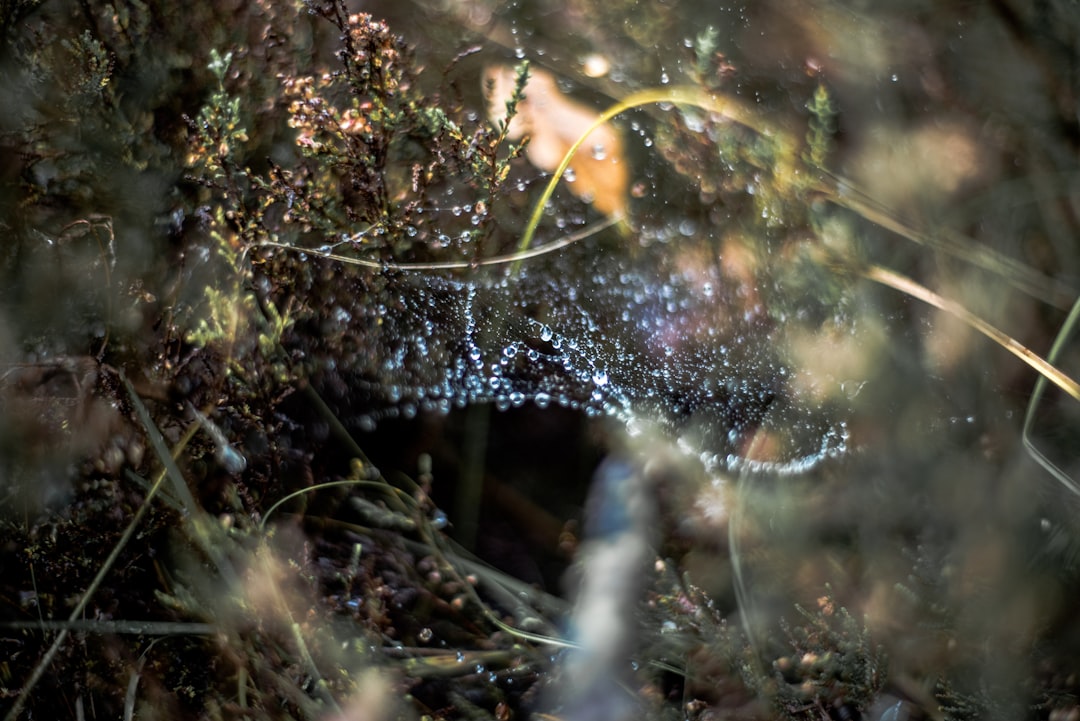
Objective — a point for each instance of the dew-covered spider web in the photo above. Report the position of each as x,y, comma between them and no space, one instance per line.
651,328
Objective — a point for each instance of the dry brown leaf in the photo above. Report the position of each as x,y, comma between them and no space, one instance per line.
598,173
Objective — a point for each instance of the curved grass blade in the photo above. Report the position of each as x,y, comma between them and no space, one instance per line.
1036,397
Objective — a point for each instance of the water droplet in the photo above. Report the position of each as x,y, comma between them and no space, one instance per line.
231,460
439,519
595,66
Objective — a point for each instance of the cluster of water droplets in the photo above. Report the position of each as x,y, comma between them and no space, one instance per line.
600,329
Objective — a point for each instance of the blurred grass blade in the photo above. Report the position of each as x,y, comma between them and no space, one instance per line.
915,290
168,463
1022,277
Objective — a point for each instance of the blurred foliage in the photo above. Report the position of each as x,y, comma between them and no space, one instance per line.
173,184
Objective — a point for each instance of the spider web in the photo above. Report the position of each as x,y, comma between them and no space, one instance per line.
628,333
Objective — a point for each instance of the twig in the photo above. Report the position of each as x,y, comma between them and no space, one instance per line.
517,257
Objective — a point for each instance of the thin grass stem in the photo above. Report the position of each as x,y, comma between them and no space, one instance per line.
906,285
1036,397
516,257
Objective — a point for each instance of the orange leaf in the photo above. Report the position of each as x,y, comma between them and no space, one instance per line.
598,173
